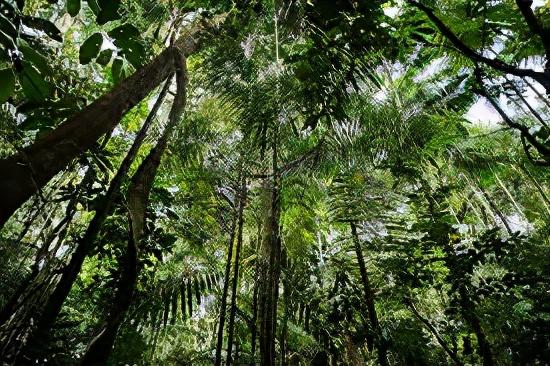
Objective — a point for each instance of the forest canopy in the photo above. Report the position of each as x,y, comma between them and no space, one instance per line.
275,182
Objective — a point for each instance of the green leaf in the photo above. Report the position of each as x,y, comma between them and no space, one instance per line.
37,59
7,42
7,87
44,25
73,7
104,57
119,69
90,48
94,6
37,123
7,26
124,32
133,51
35,87
108,11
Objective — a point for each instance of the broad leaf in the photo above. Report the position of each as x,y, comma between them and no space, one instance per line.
37,59
44,25
73,7
90,48
94,6
7,86
124,32
132,50
37,123
104,57
7,26
35,87
108,11
119,69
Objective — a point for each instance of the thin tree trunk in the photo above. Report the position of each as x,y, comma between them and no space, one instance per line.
468,312
253,330
496,210
190,298
99,349
38,204
225,290
369,299
59,231
538,187
174,307
269,281
28,171
254,322
242,204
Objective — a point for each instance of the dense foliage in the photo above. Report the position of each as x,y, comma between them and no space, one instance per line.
274,182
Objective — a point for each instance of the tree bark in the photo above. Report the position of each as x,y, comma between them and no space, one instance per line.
137,199
55,301
468,312
242,204
225,290
28,171
253,330
269,281
99,349
369,299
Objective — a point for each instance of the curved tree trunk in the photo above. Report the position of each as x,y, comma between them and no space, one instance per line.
55,301
28,171
99,349
138,198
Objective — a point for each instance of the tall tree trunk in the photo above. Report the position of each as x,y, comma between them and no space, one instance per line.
468,312
137,198
99,349
86,243
242,204
225,290
37,204
271,271
254,327
17,298
28,171
369,299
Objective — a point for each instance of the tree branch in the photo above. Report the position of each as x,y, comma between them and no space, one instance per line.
467,51
434,332
535,26
524,131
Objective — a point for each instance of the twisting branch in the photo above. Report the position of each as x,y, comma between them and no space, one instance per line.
536,27
137,196
541,148
527,149
434,332
524,131
311,154
541,77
